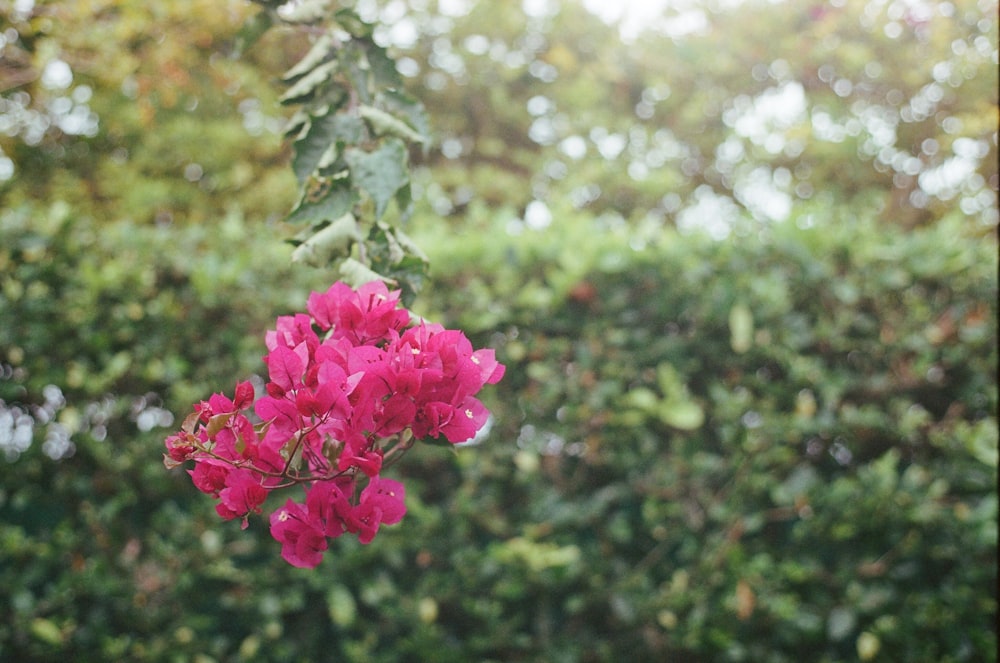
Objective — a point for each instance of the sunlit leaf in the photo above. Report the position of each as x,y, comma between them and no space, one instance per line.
319,52
357,274
400,104
740,328
683,414
333,240
308,84
383,123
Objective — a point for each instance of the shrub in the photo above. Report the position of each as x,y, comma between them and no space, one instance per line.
775,448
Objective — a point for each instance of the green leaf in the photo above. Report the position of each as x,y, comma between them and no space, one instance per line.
400,104
356,274
382,67
740,328
324,199
46,631
683,414
341,605
217,423
320,50
333,240
358,71
296,124
383,123
408,245
394,255
381,173
322,132
306,86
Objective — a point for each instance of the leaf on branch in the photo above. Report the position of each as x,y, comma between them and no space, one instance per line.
383,68
190,421
381,173
306,86
332,241
356,274
324,199
383,123
217,423
400,104
409,246
393,254
323,132
319,52
298,124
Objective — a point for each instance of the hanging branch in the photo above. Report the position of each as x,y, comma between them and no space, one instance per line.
351,136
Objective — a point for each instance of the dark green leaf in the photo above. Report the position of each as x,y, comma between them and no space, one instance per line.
383,67
324,199
381,173
322,132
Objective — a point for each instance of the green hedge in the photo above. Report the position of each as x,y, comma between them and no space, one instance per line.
778,447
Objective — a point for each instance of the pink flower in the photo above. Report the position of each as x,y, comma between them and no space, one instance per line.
382,502
243,398
242,495
180,447
457,423
302,542
209,476
292,331
344,380
365,316
328,504
303,530
286,366
368,461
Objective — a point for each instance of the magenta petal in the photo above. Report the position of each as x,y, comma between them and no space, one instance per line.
285,367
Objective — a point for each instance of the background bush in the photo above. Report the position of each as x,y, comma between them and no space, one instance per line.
776,448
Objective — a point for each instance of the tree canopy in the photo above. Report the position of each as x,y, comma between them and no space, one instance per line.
714,110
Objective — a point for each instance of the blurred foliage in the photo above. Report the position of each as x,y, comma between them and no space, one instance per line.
726,111
145,114
661,479
698,116
779,447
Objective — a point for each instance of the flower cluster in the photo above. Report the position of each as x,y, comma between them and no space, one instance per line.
351,385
